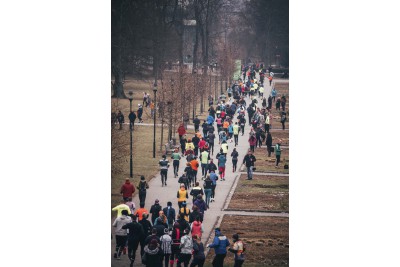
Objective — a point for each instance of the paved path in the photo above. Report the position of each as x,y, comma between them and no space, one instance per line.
224,191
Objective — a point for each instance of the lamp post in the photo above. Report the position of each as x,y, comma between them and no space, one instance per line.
155,115
131,131
194,91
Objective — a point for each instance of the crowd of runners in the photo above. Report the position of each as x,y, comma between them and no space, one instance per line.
174,235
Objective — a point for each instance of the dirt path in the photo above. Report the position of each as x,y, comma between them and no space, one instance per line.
223,191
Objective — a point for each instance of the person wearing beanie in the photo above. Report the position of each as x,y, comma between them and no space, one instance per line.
238,249
186,249
220,243
142,187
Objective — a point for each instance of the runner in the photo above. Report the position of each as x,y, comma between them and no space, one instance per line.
219,244
181,195
142,186
135,234
249,160
164,165
120,233
234,156
176,159
238,249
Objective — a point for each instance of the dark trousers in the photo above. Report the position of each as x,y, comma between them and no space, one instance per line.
278,159
166,259
283,125
165,174
196,150
132,247
204,168
176,167
238,263
266,128
236,137
242,129
252,148
142,196
194,176
197,262
269,151
213,191
120,241
259,142
234,162
196,127
211,148
218,260
185,259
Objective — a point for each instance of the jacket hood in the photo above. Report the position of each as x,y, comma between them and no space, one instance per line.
196,223
150,250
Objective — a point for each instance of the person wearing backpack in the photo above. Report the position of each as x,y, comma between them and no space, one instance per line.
278,152
238,249
142,186
186,247
198,252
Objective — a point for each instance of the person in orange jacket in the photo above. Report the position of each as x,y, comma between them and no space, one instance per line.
195,165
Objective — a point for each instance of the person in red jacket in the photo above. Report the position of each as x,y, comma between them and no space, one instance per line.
252,142
181,131
127,189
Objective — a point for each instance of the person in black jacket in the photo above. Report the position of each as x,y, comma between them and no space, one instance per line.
196,141
205,128
154,254
196,123
268,143
132,118
147,227
120,118
249,160
155,211
212,166
169,211
198,252
135,234
234,156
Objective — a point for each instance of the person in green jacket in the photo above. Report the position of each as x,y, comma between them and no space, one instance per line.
278,153
176,158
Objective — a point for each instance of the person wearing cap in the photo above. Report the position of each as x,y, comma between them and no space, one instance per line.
120,233
127,189
238,249
166,243
186,247
249,160
182,195
119,208
155,210
135,234
142,187
169,211
220,243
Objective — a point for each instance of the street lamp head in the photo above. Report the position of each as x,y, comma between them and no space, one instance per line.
155,87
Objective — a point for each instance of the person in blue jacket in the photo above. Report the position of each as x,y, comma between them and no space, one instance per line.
210,119
220,243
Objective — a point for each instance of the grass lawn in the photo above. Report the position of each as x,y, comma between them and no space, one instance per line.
266,239
264,193
265,164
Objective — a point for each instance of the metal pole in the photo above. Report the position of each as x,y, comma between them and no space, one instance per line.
131,131
154,130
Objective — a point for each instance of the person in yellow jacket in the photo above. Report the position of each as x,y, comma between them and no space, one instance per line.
182,195
189,145
261,92
224,147
119,208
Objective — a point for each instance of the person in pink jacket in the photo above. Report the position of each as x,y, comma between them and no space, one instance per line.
197,228
252,142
